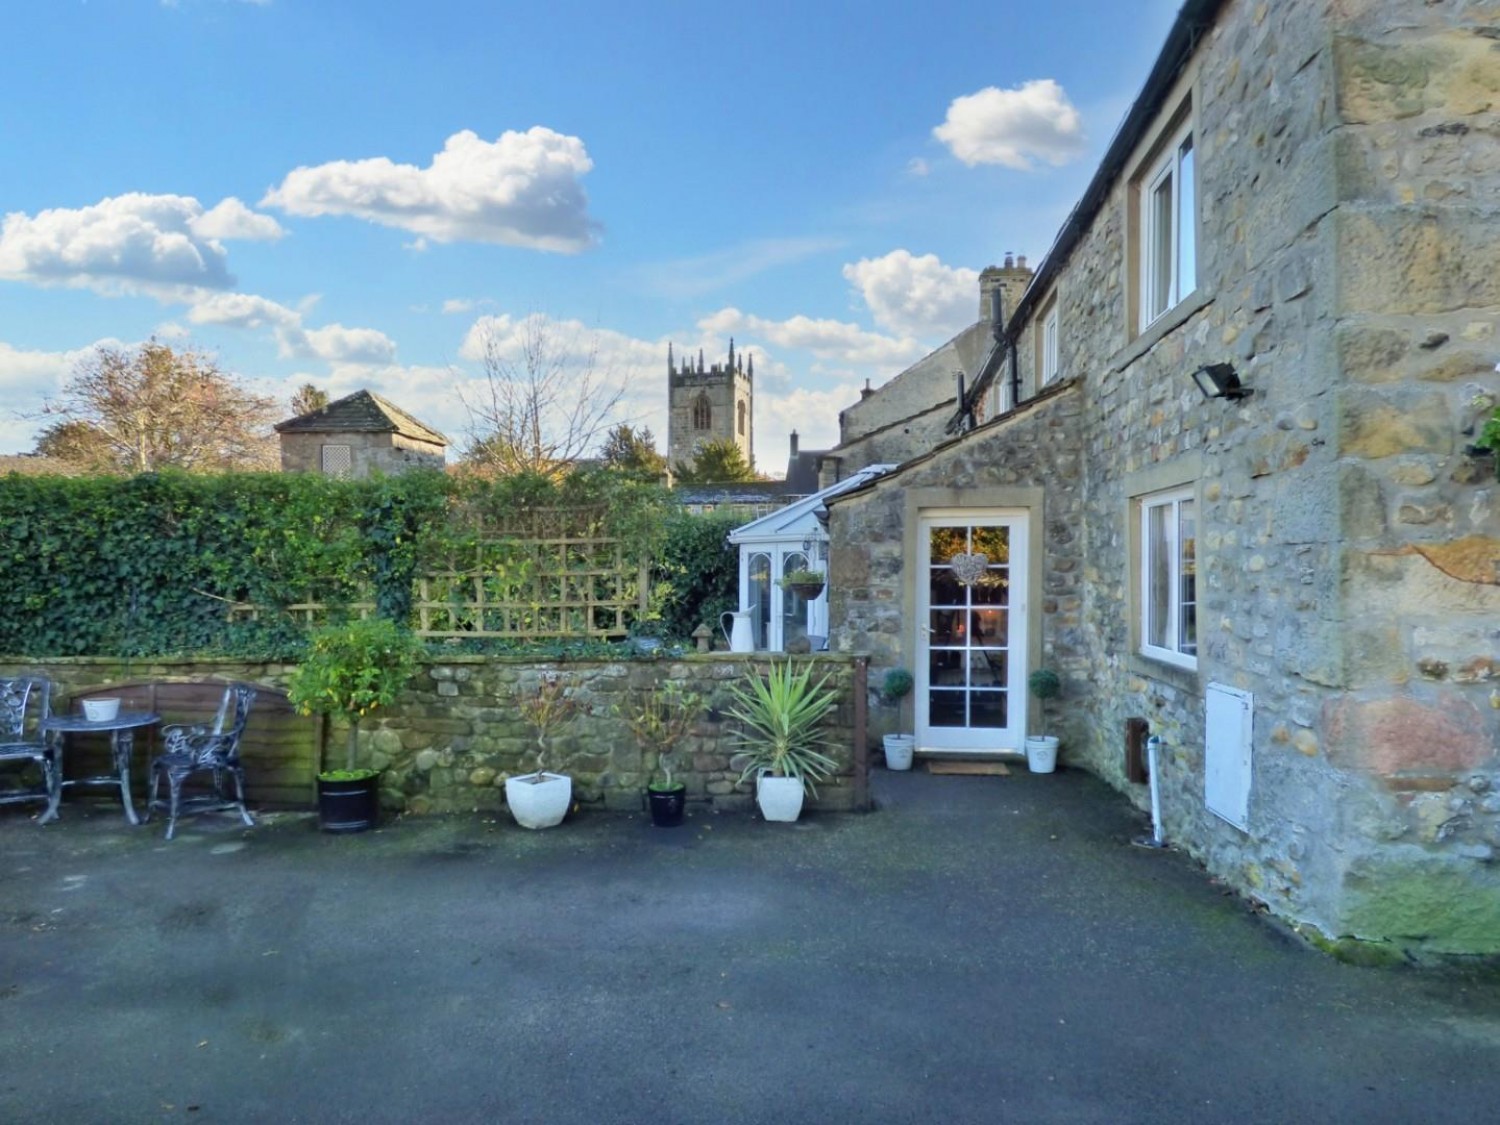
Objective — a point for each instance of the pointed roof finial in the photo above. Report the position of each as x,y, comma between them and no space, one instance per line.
731,353
700,361
670,370
751,372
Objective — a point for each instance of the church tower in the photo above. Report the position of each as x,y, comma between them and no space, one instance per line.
707,404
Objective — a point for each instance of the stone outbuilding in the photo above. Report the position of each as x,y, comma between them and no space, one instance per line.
356,435
1222,479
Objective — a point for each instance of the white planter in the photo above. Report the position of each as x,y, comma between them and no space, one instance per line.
898,750
539,800
779,798
101,710
1041,753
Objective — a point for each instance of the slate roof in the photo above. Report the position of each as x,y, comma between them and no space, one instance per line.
361,412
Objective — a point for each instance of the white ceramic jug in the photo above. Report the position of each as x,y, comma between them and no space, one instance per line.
740,636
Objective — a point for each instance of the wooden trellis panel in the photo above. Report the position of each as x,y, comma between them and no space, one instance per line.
535,575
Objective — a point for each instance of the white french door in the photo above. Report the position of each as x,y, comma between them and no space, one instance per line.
970,666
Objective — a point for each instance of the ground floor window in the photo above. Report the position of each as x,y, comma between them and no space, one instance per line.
1169,577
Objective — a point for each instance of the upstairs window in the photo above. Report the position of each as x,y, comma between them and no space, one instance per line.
1169,229
703,413
1048,366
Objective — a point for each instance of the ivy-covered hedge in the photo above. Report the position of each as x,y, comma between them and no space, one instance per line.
697,572
148,565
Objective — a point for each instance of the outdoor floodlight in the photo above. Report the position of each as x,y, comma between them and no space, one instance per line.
1220,380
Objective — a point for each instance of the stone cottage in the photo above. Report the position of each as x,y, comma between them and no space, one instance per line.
1221,480
357,434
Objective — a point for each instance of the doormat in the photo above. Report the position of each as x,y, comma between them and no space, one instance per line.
971,769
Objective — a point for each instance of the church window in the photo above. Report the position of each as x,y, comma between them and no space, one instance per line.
703,413
742,419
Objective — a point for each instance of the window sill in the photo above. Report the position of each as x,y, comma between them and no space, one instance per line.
1183,679
1169,321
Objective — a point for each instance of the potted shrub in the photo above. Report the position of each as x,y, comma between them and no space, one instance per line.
540,799
781,716
899,748
661,718
1041,749
808,583
351,670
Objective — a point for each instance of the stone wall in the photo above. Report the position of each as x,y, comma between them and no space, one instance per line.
1348,549
1031,457
302,452
727,391
916,390
454,736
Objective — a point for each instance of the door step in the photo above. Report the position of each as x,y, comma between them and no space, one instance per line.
971,769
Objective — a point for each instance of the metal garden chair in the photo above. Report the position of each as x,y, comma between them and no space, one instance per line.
22,740
192,749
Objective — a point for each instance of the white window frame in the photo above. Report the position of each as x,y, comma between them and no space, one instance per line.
1178,653
1049,367
1161,294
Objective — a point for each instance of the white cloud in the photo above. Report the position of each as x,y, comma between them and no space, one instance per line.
457,305
827,339
231,219
1034,121
916,296
165,245
520,190
916,166
332,342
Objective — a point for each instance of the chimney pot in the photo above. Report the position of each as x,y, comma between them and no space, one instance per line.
794,443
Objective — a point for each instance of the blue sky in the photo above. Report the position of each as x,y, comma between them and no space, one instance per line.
360,193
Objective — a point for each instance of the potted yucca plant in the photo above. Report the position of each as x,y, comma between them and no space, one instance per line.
351,671
781,730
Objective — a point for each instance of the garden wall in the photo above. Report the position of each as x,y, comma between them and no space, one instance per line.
454,735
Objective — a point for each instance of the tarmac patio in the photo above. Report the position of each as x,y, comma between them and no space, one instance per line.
978,949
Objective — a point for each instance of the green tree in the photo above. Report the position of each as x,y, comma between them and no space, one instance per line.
633,451
308,398
717,462
150,408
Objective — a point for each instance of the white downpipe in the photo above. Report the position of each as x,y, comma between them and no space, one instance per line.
1158,838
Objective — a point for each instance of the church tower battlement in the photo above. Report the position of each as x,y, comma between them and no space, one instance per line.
709,403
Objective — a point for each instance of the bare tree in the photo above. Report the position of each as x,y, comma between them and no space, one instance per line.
151,408
543,403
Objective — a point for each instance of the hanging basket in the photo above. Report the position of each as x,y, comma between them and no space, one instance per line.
808,590
969,568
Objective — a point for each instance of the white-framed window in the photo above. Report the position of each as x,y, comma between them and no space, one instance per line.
1049,365
1169,229
1169,577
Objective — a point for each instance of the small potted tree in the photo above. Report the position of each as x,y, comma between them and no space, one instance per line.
899,748
1041,749
781,717
661,719
540,799
350,671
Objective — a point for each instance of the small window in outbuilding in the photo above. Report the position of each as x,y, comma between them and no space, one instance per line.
337,460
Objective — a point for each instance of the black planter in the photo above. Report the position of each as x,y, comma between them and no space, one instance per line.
667,805
349,806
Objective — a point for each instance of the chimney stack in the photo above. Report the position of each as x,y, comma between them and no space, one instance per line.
794,443
866,391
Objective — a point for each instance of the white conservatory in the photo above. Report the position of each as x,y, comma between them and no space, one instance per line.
789,539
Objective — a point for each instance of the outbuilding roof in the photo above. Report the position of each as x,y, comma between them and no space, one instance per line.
361,412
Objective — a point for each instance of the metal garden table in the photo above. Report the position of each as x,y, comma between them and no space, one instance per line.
121,730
